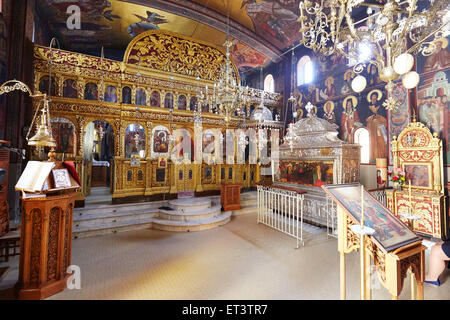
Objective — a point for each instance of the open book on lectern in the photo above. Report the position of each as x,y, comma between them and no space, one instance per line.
44,177
390,232
34,177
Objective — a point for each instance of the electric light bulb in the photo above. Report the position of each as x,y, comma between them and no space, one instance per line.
411,80
359,83
403,63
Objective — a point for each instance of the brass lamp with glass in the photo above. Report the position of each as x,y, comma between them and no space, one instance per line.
43,136
41,118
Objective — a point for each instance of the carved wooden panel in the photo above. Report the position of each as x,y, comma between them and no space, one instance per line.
230,196
46,244
36,240
52,247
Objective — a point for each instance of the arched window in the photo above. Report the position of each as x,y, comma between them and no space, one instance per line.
363,139
305,71
269,83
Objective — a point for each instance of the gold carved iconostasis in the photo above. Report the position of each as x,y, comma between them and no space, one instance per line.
118,130
331,92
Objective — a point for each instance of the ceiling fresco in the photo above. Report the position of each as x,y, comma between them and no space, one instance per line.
274,20
114,23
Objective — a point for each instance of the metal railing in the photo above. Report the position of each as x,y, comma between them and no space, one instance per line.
331,218
380,195
281,210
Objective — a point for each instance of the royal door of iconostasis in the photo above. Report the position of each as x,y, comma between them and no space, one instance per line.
186,171
98,158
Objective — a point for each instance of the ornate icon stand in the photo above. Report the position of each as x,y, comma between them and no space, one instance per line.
411,218
363,231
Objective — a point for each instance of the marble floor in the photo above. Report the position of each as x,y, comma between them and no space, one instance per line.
240,260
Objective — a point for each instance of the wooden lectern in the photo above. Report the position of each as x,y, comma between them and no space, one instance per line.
46,232
230,196
394,248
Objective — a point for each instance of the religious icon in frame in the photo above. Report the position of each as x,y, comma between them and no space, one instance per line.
61,178
310,173
390,232
419,174
135,160
207,175
162,162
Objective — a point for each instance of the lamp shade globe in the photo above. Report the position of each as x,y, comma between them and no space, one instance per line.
411,80
403,63
359,84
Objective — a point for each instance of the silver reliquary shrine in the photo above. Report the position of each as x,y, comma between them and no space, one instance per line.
312,155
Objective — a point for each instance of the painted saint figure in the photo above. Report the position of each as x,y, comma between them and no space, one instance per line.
90,91
182,102
377,127
70,89
329,115
126,95
155,99
372,77
429,113
160,141
440,59
330,89
111,94
350,119
141,97
348,77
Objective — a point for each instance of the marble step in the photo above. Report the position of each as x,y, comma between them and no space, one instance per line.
190,204
108,229
116,209
104,218
197,215
187,226
112,220
97,201
100,191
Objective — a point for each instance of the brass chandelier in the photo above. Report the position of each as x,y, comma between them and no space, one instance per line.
385,38
229,96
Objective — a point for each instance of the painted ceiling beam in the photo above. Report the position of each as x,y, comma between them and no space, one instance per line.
207,16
